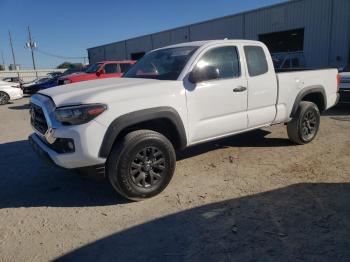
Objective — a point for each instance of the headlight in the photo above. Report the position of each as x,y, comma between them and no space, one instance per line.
66,81
77,115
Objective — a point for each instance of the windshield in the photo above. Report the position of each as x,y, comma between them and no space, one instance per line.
41,80
163,64
93,68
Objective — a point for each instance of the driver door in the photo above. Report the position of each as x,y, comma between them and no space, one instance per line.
218,107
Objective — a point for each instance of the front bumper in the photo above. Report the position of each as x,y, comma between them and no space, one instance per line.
77,159
36,144
67,146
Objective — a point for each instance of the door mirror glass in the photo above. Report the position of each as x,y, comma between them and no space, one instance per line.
204,74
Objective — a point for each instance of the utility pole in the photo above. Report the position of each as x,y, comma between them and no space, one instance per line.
32,45
13,54
3,60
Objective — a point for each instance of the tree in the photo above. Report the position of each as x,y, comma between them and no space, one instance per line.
66,65
2,68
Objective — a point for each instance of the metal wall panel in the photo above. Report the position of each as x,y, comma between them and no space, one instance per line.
275,19
312,15
96,54
317,32
179,35
115,51
139,44
237,27
161,39
326,34
340,34
215,29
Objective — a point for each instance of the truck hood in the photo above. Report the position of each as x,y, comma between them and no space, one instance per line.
99,91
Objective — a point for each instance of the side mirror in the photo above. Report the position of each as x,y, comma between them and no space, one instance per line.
99,72
204,74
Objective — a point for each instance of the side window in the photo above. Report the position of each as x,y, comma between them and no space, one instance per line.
111,68
124,67
256,60
225,59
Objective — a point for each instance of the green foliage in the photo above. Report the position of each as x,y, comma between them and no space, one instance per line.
66,65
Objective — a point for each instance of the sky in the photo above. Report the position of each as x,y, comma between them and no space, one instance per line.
68,27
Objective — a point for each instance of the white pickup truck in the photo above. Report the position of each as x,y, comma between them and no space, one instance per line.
173,98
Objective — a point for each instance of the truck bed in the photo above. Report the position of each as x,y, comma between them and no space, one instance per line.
292,82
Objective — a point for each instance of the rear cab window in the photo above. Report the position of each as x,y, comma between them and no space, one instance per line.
124,67
111,68
256,60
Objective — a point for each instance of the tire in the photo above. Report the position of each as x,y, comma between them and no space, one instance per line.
4,98
304,126
141,164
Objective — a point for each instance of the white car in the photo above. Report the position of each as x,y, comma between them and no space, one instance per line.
9,91
175,97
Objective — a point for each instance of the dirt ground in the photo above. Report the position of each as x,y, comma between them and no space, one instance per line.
252,197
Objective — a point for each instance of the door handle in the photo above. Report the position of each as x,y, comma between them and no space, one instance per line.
240,89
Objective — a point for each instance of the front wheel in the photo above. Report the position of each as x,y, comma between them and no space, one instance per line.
4,98
304,126
141,165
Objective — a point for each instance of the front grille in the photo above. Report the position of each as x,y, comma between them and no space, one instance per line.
37,118
60,82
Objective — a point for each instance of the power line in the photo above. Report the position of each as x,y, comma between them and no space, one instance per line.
58,56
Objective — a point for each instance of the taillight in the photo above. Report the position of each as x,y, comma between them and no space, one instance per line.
338,82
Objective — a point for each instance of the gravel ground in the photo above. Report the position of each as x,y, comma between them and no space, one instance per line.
250,197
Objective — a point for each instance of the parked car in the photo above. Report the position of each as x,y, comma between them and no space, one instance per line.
34,82
74,71
175,97
43,84
54,74
9,91
13,80
105,69
9,83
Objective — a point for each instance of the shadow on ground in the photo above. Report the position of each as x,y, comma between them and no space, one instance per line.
256,138
340,112
303,222
20,107
26,181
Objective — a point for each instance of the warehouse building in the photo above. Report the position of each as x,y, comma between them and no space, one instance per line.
315,33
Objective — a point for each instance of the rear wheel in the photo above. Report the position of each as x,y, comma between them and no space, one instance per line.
4,98
141,165
304,126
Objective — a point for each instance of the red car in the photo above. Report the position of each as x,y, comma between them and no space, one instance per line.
104,69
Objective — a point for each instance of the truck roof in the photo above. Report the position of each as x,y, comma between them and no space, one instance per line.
118,61
207,42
